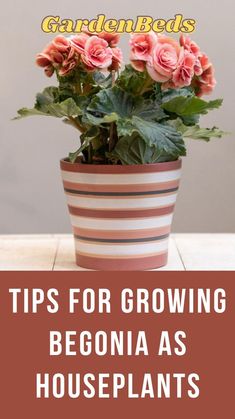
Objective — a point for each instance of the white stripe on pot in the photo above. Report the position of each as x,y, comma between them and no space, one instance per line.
121,179
121,224
120,250
120,203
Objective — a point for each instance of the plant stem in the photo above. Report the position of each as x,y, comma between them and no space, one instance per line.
113,77
112,141
76,124
146,86
90,153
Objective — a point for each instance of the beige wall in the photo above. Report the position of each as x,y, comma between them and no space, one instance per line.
32,198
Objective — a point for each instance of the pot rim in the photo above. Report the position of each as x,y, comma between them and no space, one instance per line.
66,165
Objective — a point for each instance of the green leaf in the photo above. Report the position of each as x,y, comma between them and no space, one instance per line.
133,81
125,127
82,102
122,105
187,106
66,108
169,94
102,80
165,138
205,134
59,110
86,138
132,150
73,156
113,100
136,115
23,112
49,95
196,132
107,119
48,104
190,120
149,110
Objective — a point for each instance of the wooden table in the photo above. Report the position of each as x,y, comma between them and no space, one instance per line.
56,252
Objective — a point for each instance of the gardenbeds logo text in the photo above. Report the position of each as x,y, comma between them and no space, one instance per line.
142,24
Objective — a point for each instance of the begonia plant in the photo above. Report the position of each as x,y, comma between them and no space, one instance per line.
137,114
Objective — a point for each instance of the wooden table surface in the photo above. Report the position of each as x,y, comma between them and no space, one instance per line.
56,252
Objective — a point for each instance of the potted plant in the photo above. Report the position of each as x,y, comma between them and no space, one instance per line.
122,181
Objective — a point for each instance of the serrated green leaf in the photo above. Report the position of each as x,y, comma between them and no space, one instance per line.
169,94
196,132
132,150
49,95
136,115
133,81
187,106
165,138
82,101
107,119
102,80
59,110
149,110
190,120
24,112
66,108
205,134
115,101
86,139
125,127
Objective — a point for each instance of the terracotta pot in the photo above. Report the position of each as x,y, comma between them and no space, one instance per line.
121,215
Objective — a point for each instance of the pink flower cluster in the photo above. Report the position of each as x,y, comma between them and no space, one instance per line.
94,52
174,64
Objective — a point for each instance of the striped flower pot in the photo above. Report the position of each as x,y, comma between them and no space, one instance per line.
121,215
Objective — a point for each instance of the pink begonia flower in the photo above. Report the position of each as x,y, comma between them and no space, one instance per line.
117,59
207,74
78,42
43,59
207,89
189,45
66,68
97,53
49,70
61,43
87,64
138,65
204,61
194,49
112,38
206,82
184,72
197,67
56,57
141,49
60,55
142,46
69,63
164,59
